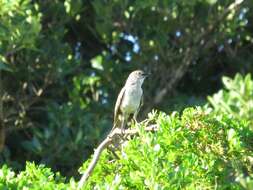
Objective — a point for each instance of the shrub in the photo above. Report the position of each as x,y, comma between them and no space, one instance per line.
194,151
33,177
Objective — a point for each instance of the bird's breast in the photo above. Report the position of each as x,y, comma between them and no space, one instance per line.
131,100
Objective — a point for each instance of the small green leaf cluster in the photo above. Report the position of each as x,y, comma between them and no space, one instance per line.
33,177
236,99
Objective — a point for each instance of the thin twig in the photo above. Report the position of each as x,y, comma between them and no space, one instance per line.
105,143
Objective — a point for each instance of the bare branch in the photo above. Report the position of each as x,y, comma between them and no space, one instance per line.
105,143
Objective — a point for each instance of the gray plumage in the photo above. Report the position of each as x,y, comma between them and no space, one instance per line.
129,99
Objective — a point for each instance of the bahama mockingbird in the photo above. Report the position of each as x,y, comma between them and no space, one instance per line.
130,99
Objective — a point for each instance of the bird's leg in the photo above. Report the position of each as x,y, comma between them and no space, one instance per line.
112,150
123,123
135,117
137,111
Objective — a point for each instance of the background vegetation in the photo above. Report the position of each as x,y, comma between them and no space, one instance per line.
62,64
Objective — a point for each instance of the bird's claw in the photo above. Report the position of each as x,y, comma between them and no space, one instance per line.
135,121
122,132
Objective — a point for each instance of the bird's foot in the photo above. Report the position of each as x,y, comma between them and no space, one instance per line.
122,132
135,122
113,151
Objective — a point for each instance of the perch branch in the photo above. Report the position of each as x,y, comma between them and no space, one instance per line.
105,143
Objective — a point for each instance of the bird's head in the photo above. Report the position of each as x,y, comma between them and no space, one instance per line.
137,77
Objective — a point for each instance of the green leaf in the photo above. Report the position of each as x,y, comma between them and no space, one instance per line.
96,62
5,67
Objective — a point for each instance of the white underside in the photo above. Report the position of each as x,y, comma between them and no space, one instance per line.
132,99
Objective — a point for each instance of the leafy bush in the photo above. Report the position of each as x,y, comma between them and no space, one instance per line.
33,177
194,151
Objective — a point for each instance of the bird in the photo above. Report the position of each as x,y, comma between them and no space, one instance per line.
129,100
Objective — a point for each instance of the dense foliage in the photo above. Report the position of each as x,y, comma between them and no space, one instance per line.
203,148
62,63
194,151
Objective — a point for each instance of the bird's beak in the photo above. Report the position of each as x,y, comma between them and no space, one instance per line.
147,74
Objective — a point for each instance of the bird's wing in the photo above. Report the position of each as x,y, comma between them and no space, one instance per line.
117,106
142,100
137,111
